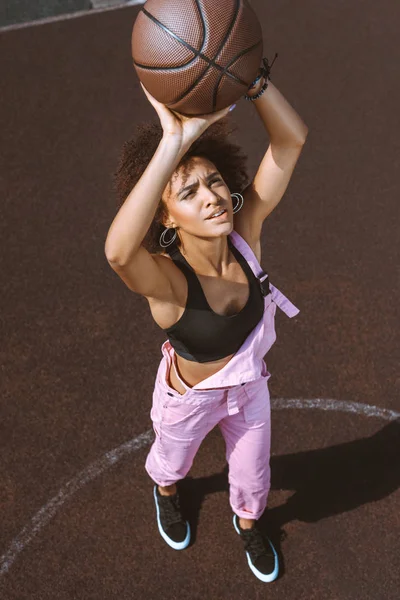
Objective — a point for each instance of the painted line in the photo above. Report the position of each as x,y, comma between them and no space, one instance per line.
99,466
366,410
67,16
48,511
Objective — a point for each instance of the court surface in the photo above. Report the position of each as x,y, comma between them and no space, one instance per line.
79,351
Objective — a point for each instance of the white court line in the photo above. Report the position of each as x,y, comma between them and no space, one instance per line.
367,410
96,468
67,16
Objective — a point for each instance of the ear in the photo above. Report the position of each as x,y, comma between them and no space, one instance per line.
166,219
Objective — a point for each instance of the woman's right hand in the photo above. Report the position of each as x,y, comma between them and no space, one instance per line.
182,129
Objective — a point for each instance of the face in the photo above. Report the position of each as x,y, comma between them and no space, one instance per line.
192,197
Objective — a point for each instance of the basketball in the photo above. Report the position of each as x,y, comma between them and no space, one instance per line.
197,56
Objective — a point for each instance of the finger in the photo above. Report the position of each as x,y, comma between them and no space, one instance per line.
149,97
220,113
144,89
205,116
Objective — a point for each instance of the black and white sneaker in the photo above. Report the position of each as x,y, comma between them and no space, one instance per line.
261,555
171,525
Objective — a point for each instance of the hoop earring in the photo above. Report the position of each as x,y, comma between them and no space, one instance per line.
240,200
162,241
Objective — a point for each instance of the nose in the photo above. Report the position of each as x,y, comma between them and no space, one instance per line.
213,203
211,195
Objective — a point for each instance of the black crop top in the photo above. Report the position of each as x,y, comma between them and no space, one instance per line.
201,335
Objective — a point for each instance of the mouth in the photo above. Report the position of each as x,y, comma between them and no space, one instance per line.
221,216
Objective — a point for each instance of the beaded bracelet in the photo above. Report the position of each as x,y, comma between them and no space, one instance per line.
260,93
264,72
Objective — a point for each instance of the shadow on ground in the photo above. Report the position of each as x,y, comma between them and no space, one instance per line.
325,482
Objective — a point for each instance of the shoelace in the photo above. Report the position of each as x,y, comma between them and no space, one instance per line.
170,510
254,543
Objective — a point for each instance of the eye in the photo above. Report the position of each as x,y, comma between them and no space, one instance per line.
215,180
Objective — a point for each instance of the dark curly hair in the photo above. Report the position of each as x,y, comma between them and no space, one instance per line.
213,144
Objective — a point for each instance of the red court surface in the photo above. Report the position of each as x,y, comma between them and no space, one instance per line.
80,352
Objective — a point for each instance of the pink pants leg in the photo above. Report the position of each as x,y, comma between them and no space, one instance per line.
248,443
181,422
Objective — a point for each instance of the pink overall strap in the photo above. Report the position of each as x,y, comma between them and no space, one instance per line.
280,299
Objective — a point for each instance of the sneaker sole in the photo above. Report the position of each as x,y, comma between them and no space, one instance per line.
262,576
174,545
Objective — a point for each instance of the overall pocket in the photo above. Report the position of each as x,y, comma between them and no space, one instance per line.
257,406
178,413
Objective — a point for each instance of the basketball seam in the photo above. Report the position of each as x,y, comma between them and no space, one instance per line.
199,54
203,24
238,3
226,72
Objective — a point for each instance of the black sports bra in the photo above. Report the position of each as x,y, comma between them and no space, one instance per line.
201,335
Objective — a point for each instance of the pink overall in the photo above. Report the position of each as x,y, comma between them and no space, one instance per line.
236,398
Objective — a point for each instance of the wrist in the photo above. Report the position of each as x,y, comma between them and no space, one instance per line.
260,84
173,141
170,147
254,90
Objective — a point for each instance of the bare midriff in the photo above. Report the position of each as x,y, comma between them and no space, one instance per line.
193,372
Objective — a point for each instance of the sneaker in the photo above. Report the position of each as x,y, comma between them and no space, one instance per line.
261,555
172,527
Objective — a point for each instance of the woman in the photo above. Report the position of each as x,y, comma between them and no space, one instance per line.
209,294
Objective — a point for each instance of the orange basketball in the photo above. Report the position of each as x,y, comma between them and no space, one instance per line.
197,56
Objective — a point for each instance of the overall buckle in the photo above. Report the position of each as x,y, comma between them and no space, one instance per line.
264,285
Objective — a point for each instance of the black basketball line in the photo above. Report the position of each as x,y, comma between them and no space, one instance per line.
238,2
233,21
215,92
227,67
198,53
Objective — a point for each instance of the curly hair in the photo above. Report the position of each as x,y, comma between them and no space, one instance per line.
213,144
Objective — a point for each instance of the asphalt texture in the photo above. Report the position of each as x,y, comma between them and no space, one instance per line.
80,352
